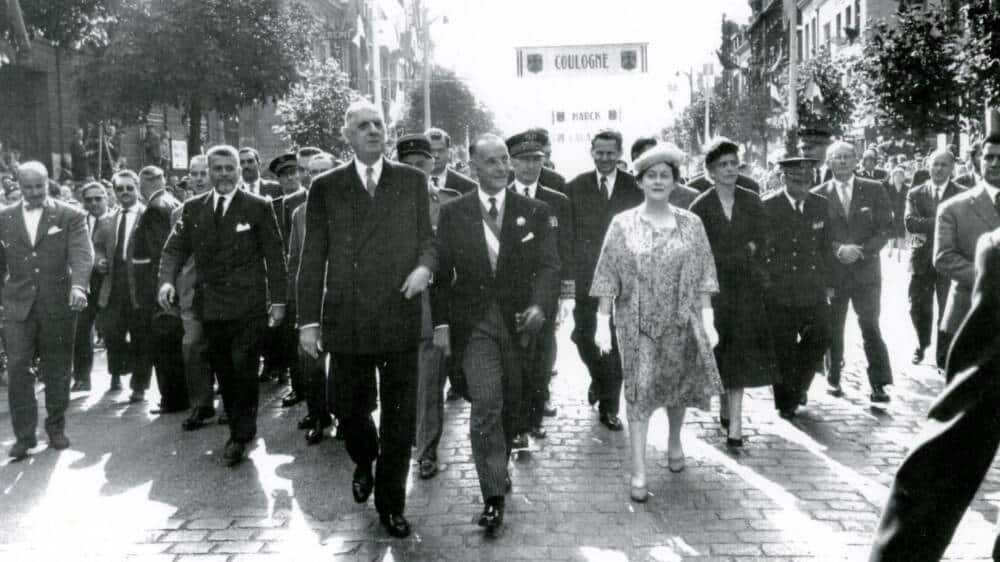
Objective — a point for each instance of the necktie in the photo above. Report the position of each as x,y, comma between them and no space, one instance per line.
434,180
493,212
845,198
527,192
370,181
220,210
604,187
121,234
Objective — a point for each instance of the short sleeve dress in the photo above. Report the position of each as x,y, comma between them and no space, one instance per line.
656,276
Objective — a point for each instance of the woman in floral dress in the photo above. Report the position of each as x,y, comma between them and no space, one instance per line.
656,273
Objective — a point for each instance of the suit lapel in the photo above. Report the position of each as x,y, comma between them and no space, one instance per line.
22,227
508,232
984,208
474,215
386,193
856,194
832,195
47,221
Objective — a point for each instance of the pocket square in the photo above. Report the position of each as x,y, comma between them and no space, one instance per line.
141,261
817,225
242,227
530,236
54,230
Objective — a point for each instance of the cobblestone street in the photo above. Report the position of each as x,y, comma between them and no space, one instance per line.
134,486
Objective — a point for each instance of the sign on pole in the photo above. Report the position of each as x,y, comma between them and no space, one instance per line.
581,60
179,154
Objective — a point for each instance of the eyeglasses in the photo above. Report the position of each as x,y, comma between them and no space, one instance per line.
120,188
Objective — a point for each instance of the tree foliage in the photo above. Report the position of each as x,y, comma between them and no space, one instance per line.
312,113
823,100
978,60
453,107
197,55
68,23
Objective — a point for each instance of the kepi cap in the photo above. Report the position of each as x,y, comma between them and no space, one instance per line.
528,143
413,144
797,162
283,162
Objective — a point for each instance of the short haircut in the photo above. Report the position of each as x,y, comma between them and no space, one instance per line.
324,158
436,134
870,151
256,155
942,152
718,148
154,171
225,150
358,106
93,185
128,175
606,135
199,158
33,166
641,144
484,138
837,145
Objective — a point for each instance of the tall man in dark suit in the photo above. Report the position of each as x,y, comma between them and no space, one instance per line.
282,347
975,158
960,222
45,264
250,171
146,245
797,260
95,202
369,251
938,479
125,330
860,223
233,236
501,252
595,197
442,175
869,169
925,283
526,156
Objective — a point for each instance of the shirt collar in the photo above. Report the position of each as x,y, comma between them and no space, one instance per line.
849,184
519,188
992,191
484,198
360,168
612,177
792,200
228,197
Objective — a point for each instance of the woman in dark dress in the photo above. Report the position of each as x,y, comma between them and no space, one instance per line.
733,218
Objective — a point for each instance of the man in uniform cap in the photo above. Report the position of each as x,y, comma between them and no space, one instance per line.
282,347
813,142
433,367
798,294
527,153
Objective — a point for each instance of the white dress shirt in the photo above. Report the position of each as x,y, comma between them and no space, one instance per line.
845,188
611,181
795,204
362,170
128,215
31,219
532,189
227,200
442,179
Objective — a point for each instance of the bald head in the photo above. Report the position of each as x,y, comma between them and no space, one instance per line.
33,178
842,159
942,164
491,162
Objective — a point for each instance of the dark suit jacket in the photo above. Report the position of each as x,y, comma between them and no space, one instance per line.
459,182
547,177
293,257
365,249
702,183
146,247
592,215
920,176
105,246
682,196
42,275
562,213
939,477
921,214
797,253
527,271
869,226
239,262
968,180
283,207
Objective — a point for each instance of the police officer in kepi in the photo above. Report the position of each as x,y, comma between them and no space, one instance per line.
798,294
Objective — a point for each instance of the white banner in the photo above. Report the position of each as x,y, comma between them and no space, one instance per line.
582,60
179,154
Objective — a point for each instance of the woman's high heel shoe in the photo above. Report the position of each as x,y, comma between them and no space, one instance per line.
639,494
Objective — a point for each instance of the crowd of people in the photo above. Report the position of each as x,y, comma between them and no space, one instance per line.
376,283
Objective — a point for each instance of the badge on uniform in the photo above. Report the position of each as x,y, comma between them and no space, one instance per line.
554,221
817,225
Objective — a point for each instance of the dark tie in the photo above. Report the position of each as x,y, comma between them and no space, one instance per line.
121,235
220,210
527,192
434,180
493,212
604,187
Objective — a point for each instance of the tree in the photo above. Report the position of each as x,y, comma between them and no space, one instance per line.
909,77
68,24
453,107
198,55
312,113
823,100
978,57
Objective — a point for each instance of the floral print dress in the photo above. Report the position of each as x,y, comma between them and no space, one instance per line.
657,276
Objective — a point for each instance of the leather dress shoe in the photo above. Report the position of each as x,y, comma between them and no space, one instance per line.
395,524
787,413
492,516
233,454
428,469
161,409
362,484
116,383
835,390
611,421
291,399
19,451
918,355
538,432
549,410
592,395
197,419
316,432
520,441
58,441
879,394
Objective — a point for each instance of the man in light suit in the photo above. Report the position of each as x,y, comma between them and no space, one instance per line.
859,223
926,283
369,251
442,176
527,153
938,479
501,252
233,236
146,247
95,202
595,197
960,222
125,330
45,264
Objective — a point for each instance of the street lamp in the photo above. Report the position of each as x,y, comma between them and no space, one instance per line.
425,34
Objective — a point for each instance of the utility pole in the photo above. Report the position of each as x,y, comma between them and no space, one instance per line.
425,33
708,105
376,57
791,134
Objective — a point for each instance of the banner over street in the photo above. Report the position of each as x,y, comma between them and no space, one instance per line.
582,60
